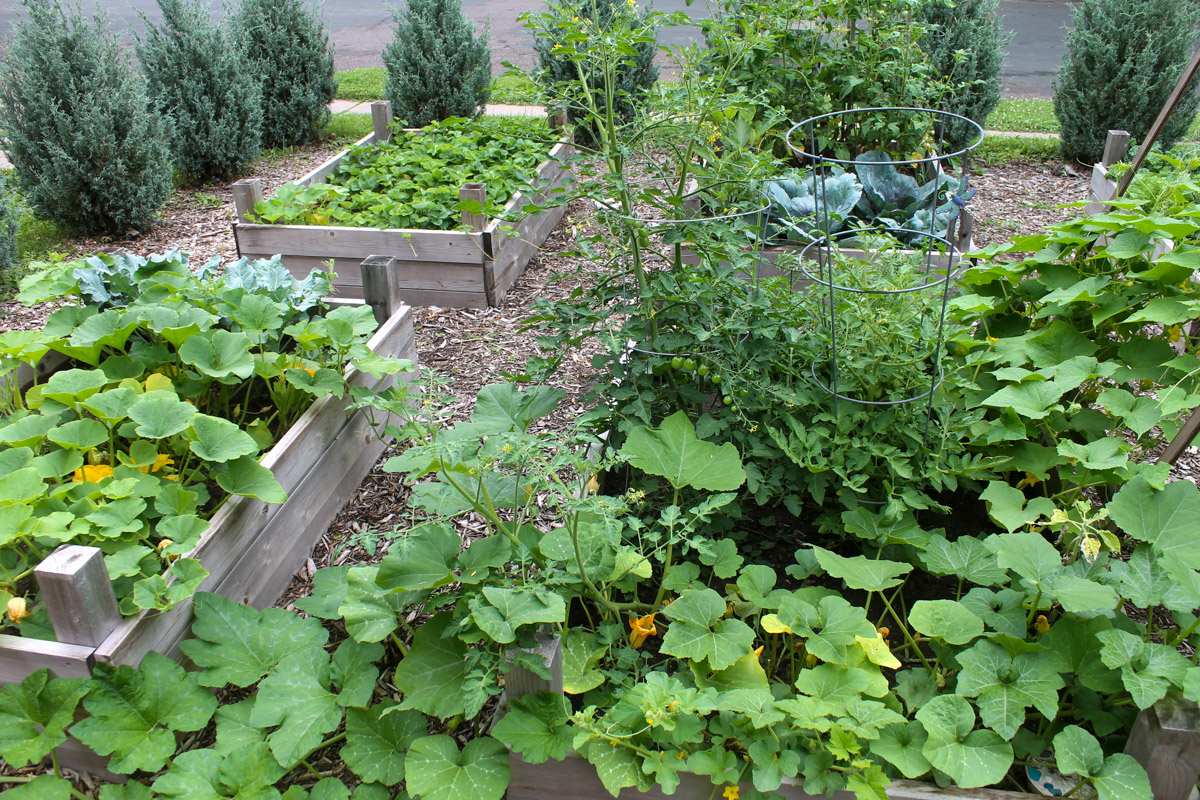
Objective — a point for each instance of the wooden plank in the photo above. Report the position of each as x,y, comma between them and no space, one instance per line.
74,754
1187,433
1100,191
1165,740
78,594
332,241
319,174
573,778
522,681
552,175
21,657
408,275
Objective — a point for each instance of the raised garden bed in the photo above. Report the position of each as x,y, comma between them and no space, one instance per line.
473,268
251,548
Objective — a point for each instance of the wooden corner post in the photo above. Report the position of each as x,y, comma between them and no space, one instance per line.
478,193
381,290
381,120
1165,740
246,194
1116,147
522,681
79,596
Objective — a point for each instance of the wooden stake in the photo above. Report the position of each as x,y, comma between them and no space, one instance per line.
520,681
478,193
246,194
78,593
1116,147
381,120
1165,740
1191,427
380,287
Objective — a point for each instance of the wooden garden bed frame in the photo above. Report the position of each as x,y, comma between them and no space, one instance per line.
251,548
473,269
1165,740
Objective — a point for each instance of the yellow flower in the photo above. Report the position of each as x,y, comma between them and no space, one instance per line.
1041,623
992,339
640,628
310,371
1029,480
731,793
160,461
758,652
92,473
593,484
1173,333
162,548
17,610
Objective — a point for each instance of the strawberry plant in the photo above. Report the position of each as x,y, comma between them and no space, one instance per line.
177,382
412,181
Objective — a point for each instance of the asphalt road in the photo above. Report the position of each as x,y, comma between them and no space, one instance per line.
361,28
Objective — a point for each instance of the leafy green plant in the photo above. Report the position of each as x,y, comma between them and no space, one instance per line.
965,45
621,80
437,68
1123,58
178,381
884,199
285,44
412,181
88,148
203,84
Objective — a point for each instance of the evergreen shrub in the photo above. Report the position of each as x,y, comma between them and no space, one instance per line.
287,47
88,147
965,44
436,67
9,217
1122,60
197,79
633,76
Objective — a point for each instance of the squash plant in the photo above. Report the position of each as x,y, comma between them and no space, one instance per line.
911,654
412,180
176,382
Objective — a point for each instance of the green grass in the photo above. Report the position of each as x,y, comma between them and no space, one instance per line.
368,84
361,84
1000,150
1033,116
348,127
514,90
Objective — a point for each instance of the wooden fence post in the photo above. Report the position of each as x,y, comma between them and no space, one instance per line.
78,593
1165,740
381,120
380,287
478,193
521,681
557,121
246,194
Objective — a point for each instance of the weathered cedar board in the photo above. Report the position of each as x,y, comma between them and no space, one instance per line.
251,548
447,268
573,778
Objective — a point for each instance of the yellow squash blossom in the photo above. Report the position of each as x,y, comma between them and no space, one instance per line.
17,610
640,628
160,461
732,792
92,473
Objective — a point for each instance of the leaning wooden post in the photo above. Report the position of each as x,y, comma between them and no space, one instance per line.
78,593
381,120
380,287
521,681
246,194
1165,740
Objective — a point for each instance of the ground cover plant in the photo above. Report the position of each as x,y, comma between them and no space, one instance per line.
177,382
412,181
